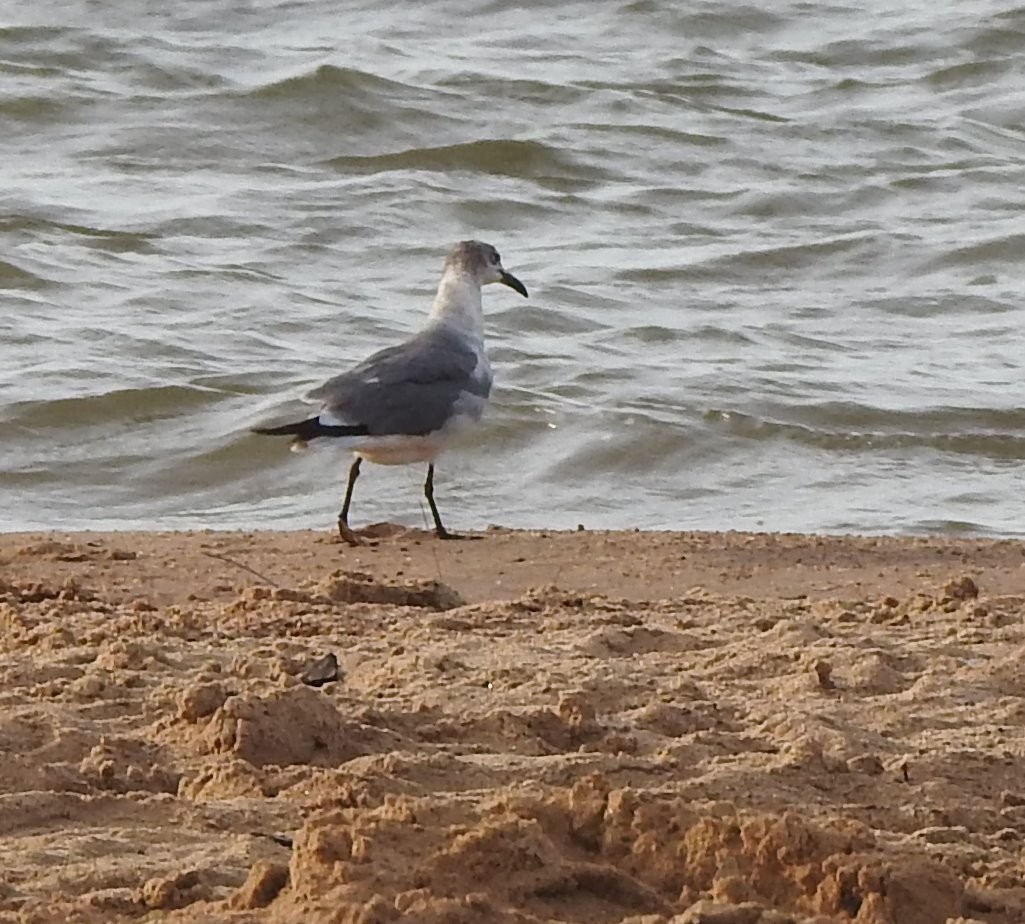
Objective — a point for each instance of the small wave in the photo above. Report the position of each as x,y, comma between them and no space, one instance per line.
947,433
705,20
864,54
643,448
109,240
967,74
1006,250
14,277
534,318
32,34
759,115
118,406
500,157
672,135
40,109
937,305
806,254
851,416
329,98
329,78
816,255
534,92
944,527
1003,38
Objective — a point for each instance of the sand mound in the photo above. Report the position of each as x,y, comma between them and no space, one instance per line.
592,853
293,726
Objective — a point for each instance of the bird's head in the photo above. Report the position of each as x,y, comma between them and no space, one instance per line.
483,262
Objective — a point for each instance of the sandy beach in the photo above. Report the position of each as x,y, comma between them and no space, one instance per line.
580,727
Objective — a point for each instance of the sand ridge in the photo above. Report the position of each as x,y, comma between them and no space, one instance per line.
527,727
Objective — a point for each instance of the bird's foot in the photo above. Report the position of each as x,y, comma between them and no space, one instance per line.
347,535
445,534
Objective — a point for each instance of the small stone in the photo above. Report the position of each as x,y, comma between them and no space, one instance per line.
824,673
323,670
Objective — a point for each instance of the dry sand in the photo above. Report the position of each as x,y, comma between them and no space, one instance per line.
528,727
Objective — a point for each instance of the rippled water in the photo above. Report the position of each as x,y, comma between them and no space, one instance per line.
775,257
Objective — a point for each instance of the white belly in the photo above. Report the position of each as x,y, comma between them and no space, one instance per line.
400,450
403,450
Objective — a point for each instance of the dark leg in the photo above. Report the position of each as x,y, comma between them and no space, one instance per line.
343,517
429,494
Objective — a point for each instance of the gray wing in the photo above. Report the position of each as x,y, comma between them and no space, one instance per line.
409,389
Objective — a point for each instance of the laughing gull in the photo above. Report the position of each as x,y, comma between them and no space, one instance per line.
405,403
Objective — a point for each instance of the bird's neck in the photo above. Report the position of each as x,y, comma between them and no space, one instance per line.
458,302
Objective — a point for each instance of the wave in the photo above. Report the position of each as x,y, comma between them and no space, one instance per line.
15,277
115,406
333,79
982,433
499,157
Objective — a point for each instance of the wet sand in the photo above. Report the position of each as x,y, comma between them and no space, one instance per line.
523,727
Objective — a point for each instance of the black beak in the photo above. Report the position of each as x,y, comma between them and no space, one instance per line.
508,279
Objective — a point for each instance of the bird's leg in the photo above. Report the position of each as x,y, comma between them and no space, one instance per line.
429,494
343,517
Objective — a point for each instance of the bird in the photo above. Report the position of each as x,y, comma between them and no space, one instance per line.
406,403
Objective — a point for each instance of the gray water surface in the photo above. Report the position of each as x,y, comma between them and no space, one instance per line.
774,254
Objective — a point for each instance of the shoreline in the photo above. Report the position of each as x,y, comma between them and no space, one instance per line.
634,564
532,726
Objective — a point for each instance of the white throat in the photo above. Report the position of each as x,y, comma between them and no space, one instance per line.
458,302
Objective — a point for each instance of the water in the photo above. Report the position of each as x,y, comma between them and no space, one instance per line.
775,258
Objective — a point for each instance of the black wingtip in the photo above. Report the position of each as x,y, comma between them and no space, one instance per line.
310,429
302,429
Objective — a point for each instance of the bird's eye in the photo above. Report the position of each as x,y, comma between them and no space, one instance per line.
495,258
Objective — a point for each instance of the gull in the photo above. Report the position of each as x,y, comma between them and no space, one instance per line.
407,403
